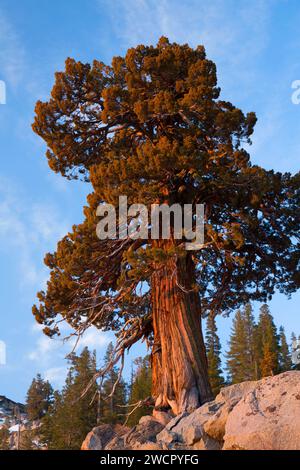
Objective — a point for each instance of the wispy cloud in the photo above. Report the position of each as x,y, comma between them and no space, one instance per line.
238,36
56,375
50,354
94,339
44,349
27,228
220,25
12,53
234,35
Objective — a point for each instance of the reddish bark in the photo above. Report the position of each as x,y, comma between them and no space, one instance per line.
180,375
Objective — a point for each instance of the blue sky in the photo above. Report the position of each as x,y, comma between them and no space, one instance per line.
256,48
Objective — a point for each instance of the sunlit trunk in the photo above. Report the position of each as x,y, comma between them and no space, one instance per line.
180,375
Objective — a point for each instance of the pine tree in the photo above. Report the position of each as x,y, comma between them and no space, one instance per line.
293,348
52,424
152,126
237,350
140,388
4,437
251,359
113,407
28,437
241,360
293,341
285,362
38,398
72,417
267,343
213,348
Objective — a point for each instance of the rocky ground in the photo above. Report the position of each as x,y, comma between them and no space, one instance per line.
262,415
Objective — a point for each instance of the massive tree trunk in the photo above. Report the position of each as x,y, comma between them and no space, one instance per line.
179,363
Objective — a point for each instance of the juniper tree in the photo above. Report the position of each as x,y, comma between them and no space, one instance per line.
213,348
152,126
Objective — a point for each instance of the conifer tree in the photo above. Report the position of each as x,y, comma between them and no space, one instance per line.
140,389
72,417
294,354
38,398
51,430
213,348
251,360
113,405
28,439
267,343
241,359
152,126
237,350
4,437
285,362
293,338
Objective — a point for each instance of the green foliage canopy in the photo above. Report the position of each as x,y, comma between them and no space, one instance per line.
152,126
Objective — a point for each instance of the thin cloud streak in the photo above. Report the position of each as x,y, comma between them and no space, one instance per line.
12,53
27,228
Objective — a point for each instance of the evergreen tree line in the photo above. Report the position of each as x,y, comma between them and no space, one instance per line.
63,418
66,417
255,349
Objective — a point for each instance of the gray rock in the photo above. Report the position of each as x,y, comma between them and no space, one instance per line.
117,443
192,434
166,437
162,417
250,415
98,437
142,433
268,416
